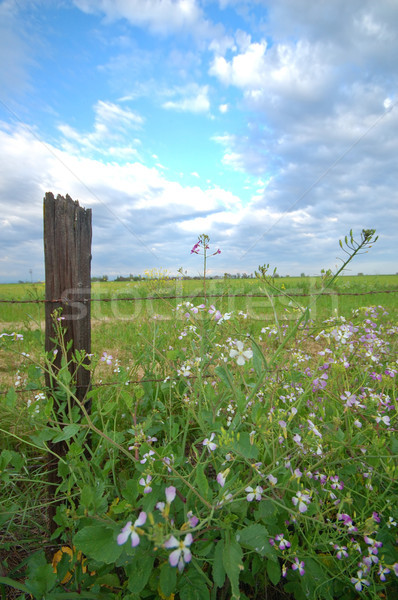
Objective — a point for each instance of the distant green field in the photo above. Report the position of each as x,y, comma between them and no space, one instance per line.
130,321
371,289
117,325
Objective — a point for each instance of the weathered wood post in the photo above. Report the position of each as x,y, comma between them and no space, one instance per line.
67,253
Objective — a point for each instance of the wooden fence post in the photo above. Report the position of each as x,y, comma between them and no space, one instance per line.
67,253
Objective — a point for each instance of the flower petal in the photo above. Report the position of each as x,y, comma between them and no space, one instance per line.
135,539
188,539
141,519
170,494
174,557
187,555
124,534
172,542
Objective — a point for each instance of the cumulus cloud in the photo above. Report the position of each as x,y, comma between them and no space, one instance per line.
132,204
306,123
141,219
293,71
317,123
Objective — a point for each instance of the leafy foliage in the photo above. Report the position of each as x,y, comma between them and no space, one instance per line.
241,460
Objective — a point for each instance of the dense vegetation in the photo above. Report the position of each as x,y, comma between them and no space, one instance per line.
228,448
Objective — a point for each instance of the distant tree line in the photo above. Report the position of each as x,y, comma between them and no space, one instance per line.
132,277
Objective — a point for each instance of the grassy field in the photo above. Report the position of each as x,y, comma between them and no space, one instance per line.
365,286
263,441
119,324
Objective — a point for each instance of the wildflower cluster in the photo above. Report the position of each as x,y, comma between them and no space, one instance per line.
202,245
178,557
241,453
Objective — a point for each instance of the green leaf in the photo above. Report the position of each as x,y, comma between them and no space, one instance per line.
11,398
316,579
42,581
109,579
193,586
76,596
86,496
139,572
296,590
259,362
42,436
121,507
255,537
17,585
257,564
168,579
233,565
67,432
243,446
226,376
5,458
394,444
339,435
130,492
204,548
201,481
36,560
274,571
218,567
97,542
17,460
267,511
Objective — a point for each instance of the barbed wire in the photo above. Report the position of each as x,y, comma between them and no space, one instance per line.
192,297
109,384
178,297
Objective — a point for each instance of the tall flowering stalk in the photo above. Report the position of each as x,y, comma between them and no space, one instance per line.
202,247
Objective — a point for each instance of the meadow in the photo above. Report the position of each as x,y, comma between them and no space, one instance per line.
229,447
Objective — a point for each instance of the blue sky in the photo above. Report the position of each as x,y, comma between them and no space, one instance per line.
272,126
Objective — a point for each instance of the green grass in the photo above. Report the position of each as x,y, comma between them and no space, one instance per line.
119,325
249,407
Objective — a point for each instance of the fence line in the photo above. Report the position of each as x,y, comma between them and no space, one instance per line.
108,384
190,297
135,298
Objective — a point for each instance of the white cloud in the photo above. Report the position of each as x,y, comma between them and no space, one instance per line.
219,45
245,70
387,103
136,208
225,140
284,69
113,115
111,124
235,160
193,98
164,17
360,32
315,134
210,222
132,203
